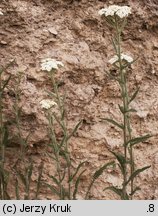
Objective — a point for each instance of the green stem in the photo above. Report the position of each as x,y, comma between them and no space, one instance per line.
89,188
56,152
126,116
22,143
132,167
2,147
66,148
125,105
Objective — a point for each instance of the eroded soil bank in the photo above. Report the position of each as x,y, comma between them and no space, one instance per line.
74,33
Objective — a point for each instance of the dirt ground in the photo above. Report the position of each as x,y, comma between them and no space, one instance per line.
74,33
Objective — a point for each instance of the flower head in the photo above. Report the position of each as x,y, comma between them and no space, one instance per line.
47,104
124,57
48,64
114,59
124,11
121,11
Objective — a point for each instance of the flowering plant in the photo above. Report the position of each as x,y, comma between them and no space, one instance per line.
47,104
63,177
120,11
124,57
116,18
66,180
50,64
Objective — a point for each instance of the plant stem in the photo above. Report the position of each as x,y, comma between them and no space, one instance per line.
56,152
130,149
126,115
16,107
89,188
125,104
62,121
1,142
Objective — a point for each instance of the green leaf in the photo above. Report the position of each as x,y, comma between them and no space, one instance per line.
19,110
118,192
123,24
63,115
115,190
25,141
77,170
77,184
64,194
134,95
55,180
53,189
135,190
51,94
17,189
137,140
29,171
75,129
96,175
22,177
39,179
4,183
64,174
28,174
131,110
59,121
109,20
68,160
114,123
62,142
101,170
4,174
121,109
50,155
121,159
1,70
6,83
63,153
6,67
135,173
114,45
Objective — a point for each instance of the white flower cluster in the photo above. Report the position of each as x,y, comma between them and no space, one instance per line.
49,64
121,11
47,104
124,57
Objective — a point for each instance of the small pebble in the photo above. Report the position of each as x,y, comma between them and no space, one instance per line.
3,42
53,31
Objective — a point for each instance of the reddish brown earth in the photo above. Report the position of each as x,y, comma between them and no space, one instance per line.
75,34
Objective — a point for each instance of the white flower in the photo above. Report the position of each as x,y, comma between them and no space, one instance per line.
114,59
102,11
125,57
121,11
124,11
47,104
48,64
